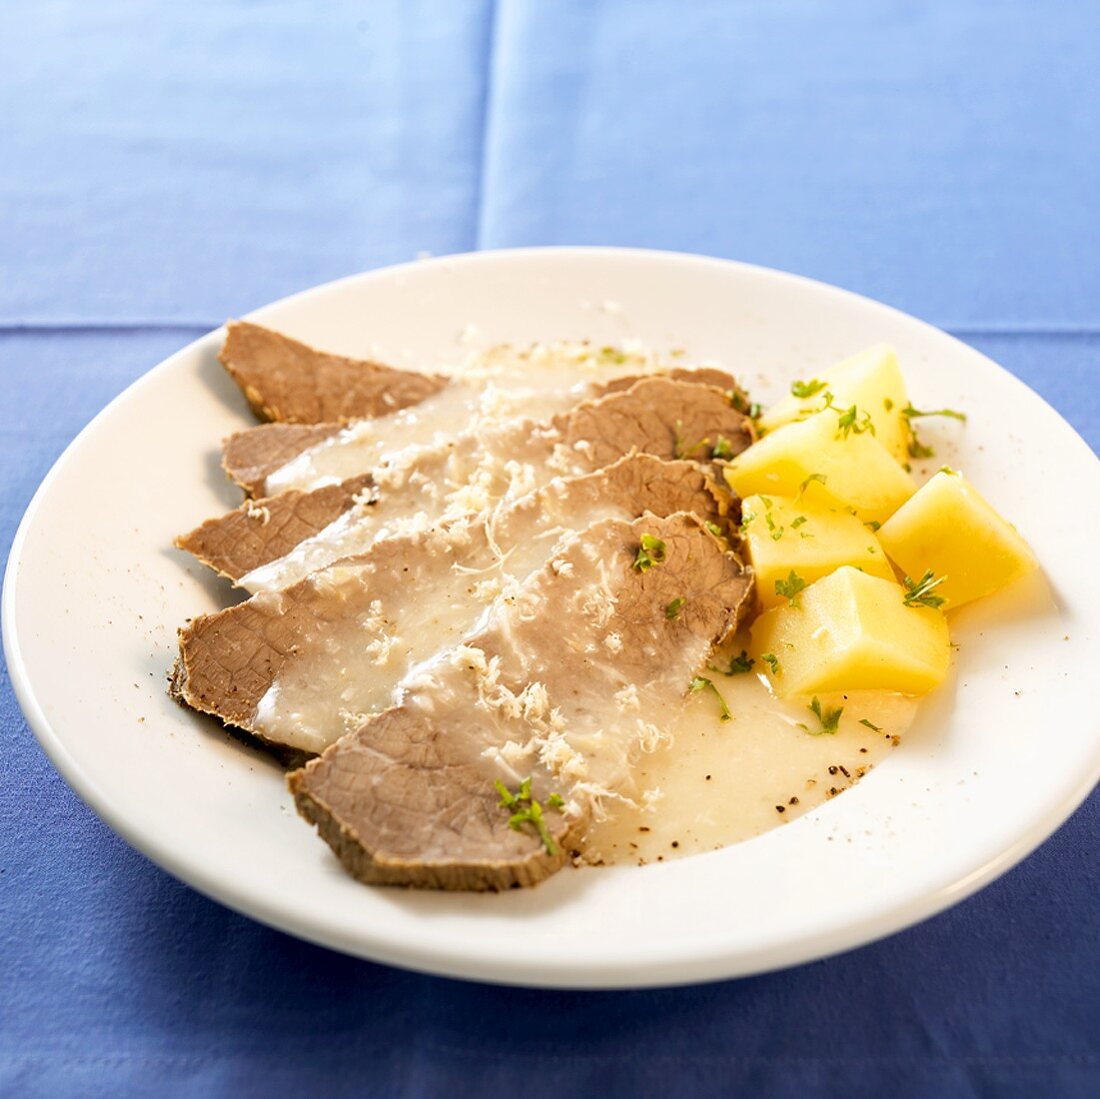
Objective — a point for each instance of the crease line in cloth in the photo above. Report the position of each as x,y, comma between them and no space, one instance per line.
492,39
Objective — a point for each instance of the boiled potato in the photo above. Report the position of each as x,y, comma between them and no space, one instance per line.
850,631
811,538
852,466
871,381
949,528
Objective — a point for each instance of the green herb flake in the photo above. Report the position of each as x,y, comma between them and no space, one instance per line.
911,413
797,521
527,810
738,665
852,421
701,683
820,478
917,449
920,591
888,405
723,449
806,389
651,552
790,587
829,719
715,529
672,611
870,725
772,662
874,524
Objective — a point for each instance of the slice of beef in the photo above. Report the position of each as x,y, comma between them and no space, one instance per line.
696,375
291,666
290,382
655,416
562,686
263,530
249,456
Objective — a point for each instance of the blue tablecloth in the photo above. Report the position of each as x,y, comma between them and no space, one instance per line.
163,166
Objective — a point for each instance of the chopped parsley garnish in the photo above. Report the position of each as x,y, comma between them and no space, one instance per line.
874,524
715,529
818,477
701,683
651,552
738,665
723,448
911,413
790,587
612,354
747,517
888,404
920,591
870,725
829,719
672,611
772,662
737,399
776,531
526,810
797,521
917,449
852,421
806,389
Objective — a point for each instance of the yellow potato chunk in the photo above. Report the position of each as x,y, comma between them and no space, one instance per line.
871,381
810,538
950,529
848,632
852,466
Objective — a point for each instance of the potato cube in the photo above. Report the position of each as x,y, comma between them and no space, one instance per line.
852,466
848,632
871,381
950,529
812,539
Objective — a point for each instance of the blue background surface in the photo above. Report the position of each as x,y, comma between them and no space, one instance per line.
164,166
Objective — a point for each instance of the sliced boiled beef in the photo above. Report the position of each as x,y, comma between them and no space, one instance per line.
486,773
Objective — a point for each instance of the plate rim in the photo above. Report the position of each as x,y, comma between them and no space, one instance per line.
438,959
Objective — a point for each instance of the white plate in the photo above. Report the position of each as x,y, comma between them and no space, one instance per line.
93,595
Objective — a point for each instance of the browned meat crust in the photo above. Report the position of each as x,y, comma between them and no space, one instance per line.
263,530
290,382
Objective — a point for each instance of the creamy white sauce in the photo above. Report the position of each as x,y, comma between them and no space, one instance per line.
350,663
715,782
489,387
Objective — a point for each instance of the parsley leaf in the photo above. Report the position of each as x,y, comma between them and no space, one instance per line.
723,448
738,664
651,552
790,587
920,591
829,719
701,683
772,662
851,421
818,477
870,725
911,413
527,810
672,611
806,389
